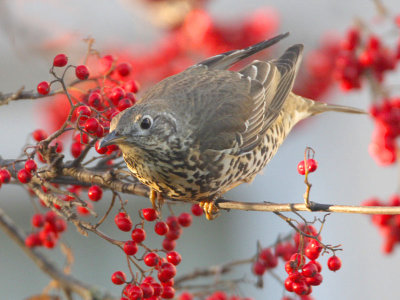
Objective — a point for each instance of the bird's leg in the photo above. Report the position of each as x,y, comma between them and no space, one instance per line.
210,209
156,199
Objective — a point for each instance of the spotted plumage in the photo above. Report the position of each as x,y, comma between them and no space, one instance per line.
200,133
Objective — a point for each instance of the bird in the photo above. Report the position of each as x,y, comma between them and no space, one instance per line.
196,135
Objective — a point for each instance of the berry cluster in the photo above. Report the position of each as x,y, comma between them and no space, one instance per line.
388,225
160,262
50,228
360,55
302,274
383,146
311,163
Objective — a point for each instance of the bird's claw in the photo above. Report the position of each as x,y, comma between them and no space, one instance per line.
210,209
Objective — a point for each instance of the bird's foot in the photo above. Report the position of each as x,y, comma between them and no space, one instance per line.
156,199
210,209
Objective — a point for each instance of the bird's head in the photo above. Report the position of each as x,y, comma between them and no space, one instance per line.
144,125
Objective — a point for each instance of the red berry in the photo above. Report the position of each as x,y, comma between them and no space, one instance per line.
299,259
124,104
138,235
300,288
30,165
168,245
259,268
312,165
173,234
269,259
5,176
60,60
161,228
174,258
317,264
60,225
118,277
116,94
290,267
32,240
130,248
334,263
309,270
83,110
95,193
24,176
123,221
83,210
185,219
187,296
173,223
39,135
197,210
100,150
43,88
289,284
95,100
133,292
123,69
151,259
312,252
50,217
149,214
166,272
315,280
82,72
92,125
131,86
76,149
147,289
158,288
168,293
37,220
48,239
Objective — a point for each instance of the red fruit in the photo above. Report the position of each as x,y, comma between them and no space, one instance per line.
95,100
138,235
289,284
76,149
131,96
197,210
130,248
124,104
123,69
149,280
131,86
168,245
317,264
100,150
161,228
174,258
158,289
24,176
173,234
37,220
168,292
299,259
30,165
50,217
151,259
187,296
149,214
82,138
39,135
173,223
92,125
83,110
118,277
123,221
185,219
290,267
60,60
48,239
83,210
133,292
116,94
334,263
311,165
43,88
259,268
300,288
82,72
269,259
167,271
313,250
95,193
309,270
315,280
60,225
147,289
32,240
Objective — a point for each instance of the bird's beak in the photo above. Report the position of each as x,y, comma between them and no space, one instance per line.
111,138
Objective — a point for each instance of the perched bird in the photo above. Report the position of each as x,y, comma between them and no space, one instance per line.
204,131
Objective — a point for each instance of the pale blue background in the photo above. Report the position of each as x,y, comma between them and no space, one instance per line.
346,174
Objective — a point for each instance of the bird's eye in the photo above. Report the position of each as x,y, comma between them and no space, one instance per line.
146,122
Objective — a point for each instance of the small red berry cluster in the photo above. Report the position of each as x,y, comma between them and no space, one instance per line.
302,275
311,164
383,147
388,225
162,262
50,228
361,55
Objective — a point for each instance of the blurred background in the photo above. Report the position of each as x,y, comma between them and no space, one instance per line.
32,32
